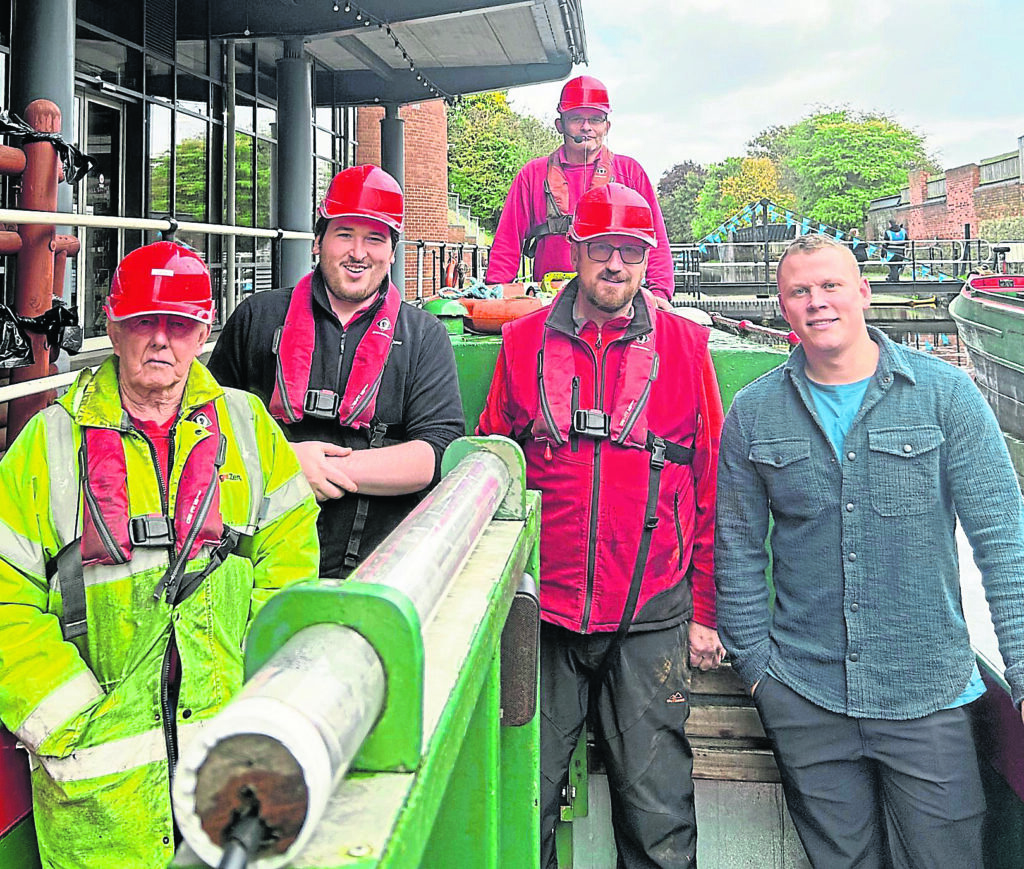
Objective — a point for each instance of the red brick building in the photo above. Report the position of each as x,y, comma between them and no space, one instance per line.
983,199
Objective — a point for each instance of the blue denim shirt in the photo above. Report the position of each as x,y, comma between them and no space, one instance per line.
867,619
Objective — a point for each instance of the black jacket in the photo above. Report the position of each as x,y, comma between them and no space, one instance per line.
418,397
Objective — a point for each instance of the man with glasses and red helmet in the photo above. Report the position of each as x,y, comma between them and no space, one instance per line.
543,195
146,518
363,384
616,405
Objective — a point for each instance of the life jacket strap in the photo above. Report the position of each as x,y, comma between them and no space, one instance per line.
662,452
377,432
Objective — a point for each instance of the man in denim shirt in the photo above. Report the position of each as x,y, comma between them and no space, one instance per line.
865,453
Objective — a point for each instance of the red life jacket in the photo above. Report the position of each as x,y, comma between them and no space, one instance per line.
627,420
556,195
109,531
294,345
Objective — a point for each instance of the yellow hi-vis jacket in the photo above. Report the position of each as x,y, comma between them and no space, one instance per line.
90,712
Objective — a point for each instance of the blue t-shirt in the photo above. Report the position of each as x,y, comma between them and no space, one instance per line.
837,405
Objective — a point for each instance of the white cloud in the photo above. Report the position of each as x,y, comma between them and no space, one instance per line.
697,79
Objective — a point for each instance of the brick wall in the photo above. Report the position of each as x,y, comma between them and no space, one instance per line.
967,203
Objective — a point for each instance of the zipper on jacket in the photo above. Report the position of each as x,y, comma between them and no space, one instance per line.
341,362
169,706
679,528
594,492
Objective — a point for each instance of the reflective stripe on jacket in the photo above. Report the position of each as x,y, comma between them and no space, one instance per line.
594,491
92,717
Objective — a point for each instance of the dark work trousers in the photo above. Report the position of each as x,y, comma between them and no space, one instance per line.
871,793
637,714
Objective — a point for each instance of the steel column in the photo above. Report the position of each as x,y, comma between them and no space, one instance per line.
392,159
229,299
295,157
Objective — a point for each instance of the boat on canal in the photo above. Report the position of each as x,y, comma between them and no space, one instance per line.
989,316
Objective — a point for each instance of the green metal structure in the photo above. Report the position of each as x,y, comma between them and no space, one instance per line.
442,779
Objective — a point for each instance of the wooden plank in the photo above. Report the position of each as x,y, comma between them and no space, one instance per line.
748,765
725,722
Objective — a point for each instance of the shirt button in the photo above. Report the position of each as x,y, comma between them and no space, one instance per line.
854,607
852,556
854,657
851,455
907,448
849,508
778,460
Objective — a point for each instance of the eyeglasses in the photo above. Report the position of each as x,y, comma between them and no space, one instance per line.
577,120
630,254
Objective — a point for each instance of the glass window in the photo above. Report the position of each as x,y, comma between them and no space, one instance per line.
269,51
159,78
244,110
98,55
190,175
159,159
266,122
266,210
192,55
324,144
193,93
120,19
325,171
244,159
245,67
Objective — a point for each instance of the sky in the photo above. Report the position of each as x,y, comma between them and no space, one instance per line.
697,79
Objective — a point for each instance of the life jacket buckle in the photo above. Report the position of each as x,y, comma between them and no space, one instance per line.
321,403
591,423
658,449
155,530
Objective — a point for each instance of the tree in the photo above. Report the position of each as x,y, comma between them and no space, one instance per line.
713,207
677,194
488,143
757,178
841,160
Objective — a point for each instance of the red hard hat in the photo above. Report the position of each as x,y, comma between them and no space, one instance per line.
161,278
364,191
584,92
613,209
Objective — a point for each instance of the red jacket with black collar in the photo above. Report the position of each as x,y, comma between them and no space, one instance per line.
644,376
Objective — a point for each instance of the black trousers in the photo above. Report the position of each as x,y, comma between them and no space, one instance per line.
871,793
637,713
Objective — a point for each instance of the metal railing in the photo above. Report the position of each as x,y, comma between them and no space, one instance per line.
431,260
924,260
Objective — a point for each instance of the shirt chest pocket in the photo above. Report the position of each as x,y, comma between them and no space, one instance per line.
904,467
795,486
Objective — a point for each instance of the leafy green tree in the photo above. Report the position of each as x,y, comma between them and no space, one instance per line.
713,206
840,160
488,143
677,194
